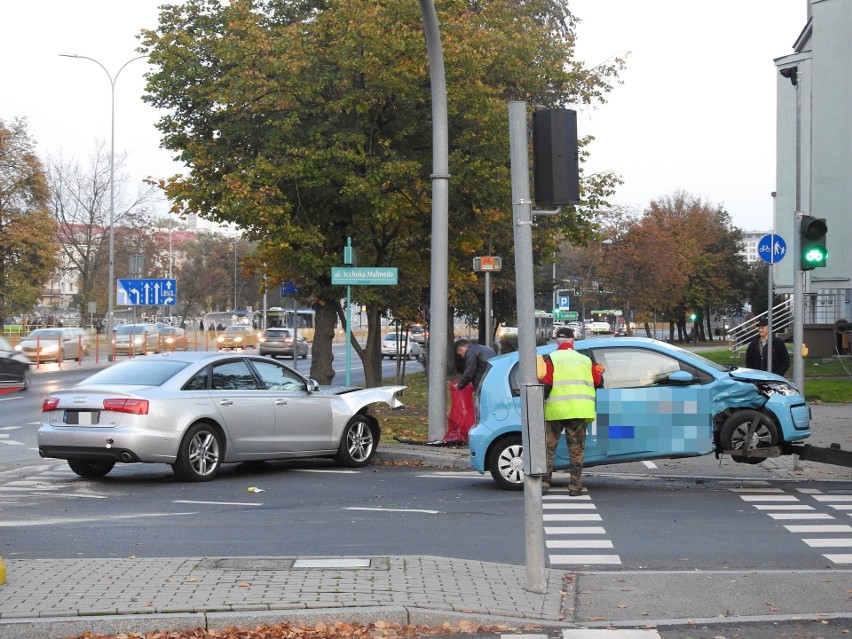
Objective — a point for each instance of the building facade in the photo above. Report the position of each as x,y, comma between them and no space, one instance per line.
814,155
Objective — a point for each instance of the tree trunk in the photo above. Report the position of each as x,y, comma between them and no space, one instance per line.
322,357
371,354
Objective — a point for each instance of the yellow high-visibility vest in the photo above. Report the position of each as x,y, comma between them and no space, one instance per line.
573,393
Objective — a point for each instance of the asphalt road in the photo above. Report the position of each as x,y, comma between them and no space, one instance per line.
309,508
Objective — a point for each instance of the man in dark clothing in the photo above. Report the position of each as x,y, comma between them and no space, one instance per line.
756,353
475,358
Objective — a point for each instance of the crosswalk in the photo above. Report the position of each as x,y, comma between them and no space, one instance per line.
819,518
574,532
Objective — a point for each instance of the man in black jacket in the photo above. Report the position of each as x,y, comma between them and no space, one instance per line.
756,353
475,358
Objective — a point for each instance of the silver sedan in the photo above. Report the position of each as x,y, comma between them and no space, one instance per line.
198,410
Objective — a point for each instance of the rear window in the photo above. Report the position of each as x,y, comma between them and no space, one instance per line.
138,372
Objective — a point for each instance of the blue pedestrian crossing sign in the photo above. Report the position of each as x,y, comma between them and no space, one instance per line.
771,248
133,292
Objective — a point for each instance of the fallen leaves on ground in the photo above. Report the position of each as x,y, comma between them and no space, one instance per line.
337,630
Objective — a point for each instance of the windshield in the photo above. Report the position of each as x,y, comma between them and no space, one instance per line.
132,329
42,333
138,372
704,360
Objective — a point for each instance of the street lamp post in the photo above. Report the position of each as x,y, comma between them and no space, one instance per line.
111,283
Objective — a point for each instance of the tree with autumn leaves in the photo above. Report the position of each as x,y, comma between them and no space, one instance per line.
28,238
682,256
307,122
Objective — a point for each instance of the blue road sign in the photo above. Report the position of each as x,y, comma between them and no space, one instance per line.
146,292
564,303
288,289
771,248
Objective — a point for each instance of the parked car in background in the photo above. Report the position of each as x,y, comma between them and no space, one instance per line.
200,409
419,333
599,328
399,345
657,401
136,339
14,368
237,337
278,342
54,344
173,338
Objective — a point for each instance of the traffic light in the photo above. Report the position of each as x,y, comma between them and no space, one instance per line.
812,249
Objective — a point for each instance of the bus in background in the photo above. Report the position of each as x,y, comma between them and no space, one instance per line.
302,319
543,326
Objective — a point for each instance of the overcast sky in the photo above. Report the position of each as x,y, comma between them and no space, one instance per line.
696,110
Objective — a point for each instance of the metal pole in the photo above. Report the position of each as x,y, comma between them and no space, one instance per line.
798,275
438,321
488,326
111,283
522,217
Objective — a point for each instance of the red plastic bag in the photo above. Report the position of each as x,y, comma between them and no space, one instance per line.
461,414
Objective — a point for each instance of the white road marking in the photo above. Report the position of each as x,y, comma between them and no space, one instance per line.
579,543
78,520
829,543
584,560
397,510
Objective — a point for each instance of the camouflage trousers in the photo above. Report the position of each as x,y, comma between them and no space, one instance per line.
575,433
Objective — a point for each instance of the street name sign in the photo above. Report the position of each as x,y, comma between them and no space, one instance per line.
365,275
133,292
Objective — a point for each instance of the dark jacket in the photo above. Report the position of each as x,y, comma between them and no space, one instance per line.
756,357
475,364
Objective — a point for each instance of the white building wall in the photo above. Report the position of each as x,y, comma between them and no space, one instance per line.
823,59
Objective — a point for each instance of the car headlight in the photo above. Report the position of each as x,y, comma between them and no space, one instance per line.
779,388
221,338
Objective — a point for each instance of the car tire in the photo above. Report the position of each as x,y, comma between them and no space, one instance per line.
200,454
358,443
506,463
90,469
735,429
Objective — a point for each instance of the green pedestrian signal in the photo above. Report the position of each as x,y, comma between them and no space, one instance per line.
812,249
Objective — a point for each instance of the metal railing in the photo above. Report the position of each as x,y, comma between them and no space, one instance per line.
782,319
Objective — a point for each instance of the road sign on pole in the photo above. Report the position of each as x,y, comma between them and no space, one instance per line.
132,292
771,248
365,275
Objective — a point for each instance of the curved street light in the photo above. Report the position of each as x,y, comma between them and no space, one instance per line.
111,283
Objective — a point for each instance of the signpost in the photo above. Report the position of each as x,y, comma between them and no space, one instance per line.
365,275
358,276
488,264
133,292
771,248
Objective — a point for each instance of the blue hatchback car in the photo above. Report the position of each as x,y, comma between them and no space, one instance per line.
657,401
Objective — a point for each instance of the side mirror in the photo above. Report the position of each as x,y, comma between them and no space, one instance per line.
313,386
680,378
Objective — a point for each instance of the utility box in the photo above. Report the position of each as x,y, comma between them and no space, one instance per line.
820,338
533,425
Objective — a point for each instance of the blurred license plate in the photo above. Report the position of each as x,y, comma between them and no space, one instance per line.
81,417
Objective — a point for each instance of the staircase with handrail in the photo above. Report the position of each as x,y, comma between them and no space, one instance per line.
782,319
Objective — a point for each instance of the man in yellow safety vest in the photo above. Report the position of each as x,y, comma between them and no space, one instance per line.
571,379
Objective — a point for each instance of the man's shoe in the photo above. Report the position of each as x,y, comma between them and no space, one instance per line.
573,492
544,488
